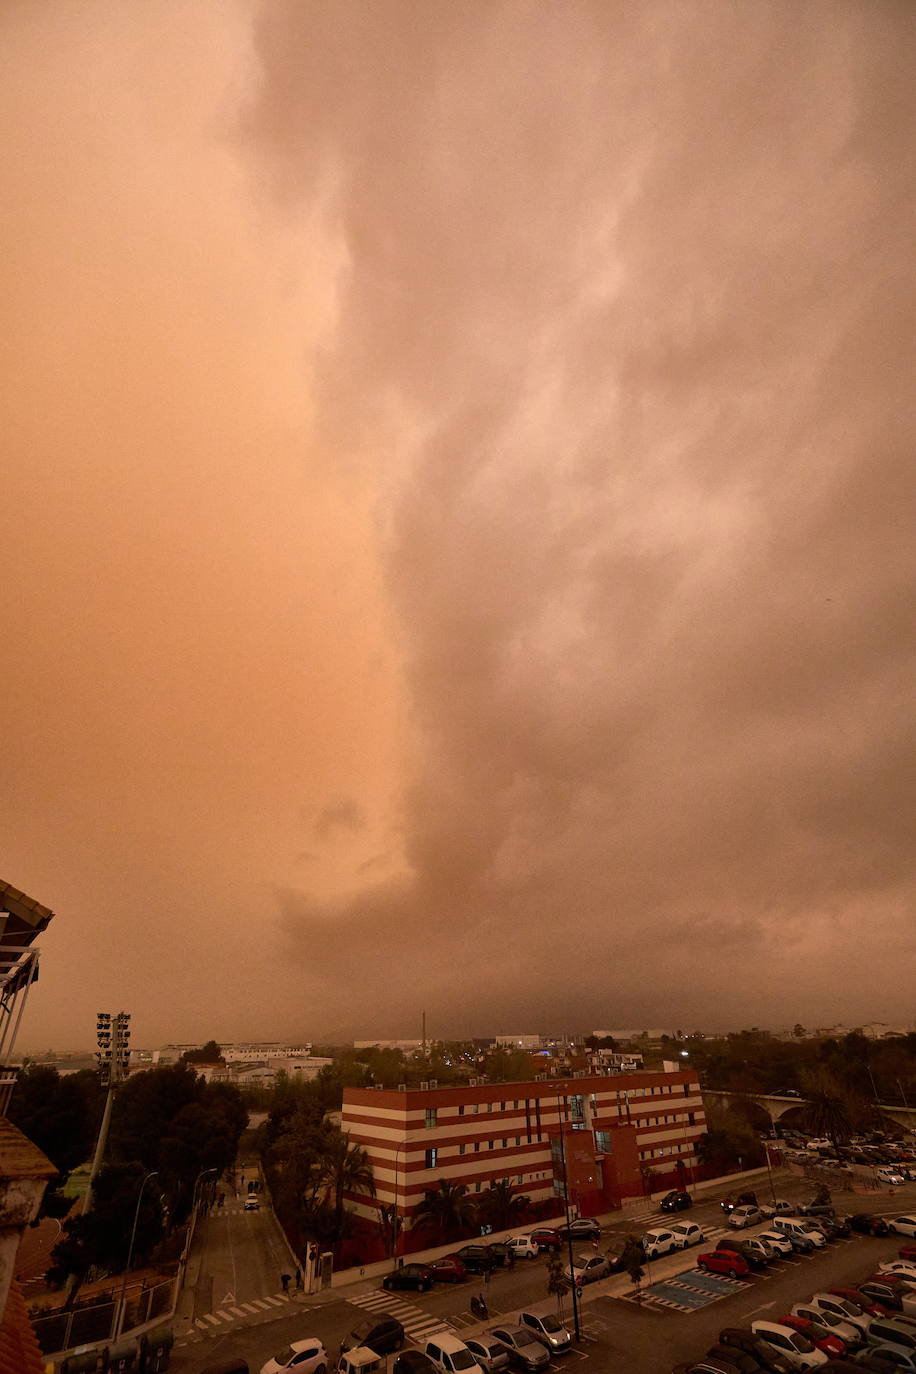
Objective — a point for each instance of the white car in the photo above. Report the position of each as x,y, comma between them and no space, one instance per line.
842,1307
888,1173
779,1244
251,1203
522,1247
779,1208
687,1233
904,1269
797,1349
740,1217
838,1326
305,1357
905,1225
587,1268
661,1241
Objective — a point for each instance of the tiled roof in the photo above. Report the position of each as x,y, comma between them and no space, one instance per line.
19,1349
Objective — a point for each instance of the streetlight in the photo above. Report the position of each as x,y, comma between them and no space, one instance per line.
202,1175
575,1290
130,1253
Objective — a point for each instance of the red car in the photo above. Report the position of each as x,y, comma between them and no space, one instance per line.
723,1262
907,1252
545,1239
448,1269
867,1304
821,1337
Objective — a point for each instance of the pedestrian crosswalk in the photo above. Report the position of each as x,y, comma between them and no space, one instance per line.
417,1324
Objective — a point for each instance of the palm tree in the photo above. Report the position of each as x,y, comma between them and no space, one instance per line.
502,1206
344,1168
447,1209
826,1112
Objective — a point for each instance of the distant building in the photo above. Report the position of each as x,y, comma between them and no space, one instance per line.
408,1046
520,1042
623,1135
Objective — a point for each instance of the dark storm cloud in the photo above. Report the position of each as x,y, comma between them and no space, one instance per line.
627,325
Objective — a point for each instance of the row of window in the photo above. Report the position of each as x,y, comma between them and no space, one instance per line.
603,1139
678,1149
432,1155
573,1103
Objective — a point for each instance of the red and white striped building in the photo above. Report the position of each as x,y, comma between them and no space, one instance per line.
621,1135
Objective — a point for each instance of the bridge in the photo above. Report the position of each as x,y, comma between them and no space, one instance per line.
776,1106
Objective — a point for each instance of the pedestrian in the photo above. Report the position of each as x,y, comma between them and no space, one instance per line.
298,1279
284,1279
222,1199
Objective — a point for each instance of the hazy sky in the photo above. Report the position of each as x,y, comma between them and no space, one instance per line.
458,512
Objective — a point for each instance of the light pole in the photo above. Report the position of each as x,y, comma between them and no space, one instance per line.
574,1286
202,1175
130,1253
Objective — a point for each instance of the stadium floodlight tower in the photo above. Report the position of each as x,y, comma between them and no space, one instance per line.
22,920
113,1058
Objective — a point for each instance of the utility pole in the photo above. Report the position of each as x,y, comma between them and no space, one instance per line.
574,1290
113,1057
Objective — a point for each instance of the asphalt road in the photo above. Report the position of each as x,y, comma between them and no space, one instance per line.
648,1340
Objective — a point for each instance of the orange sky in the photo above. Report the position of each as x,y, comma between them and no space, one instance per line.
459,513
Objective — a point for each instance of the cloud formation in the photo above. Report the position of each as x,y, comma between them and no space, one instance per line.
470,453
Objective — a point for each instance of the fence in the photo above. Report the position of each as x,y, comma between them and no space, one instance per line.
94,1320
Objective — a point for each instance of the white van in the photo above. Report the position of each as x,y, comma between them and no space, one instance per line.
796,1228
448,1354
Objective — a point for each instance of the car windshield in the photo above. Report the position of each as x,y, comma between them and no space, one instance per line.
285,1355
463,1359
526,1338
549,1323
801,1343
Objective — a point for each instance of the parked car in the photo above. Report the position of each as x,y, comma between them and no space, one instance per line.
735,1359
524,1350
739,1217
886,1359
661,1240
896,1331
448,1269
904,1269
798,1350
546,1329
869,1306
546,1238
815,1209
891,1175
850,1335
743,1338
905,1225
523,1247
583,1228
706,1365
413,1362
887,1294
753,1258
418,1277
779,1208
686,1233
488,1352
384,1334
845,1309
478,1259
588,1268
723,1262
676,1201
777,1242
449,1354
307,1356
868,1225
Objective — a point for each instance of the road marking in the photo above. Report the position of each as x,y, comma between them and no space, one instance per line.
765,1306
277,1302
248,1307
228,1300
260,1302
236,1312
209,1317
223,1316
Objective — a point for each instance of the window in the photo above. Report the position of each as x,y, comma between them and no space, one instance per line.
686,1089
603,1142
519,1178
491,1143
476,1147
430,1116
461,1109
502,1106
691,1118
518,1140
477,1186
461,1148
431,1157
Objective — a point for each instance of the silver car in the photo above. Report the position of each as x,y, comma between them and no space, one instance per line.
488,1353
524,1350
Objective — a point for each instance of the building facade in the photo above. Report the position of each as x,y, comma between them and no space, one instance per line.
617,1136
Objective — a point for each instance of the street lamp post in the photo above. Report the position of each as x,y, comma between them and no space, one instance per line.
119,1322
574,1287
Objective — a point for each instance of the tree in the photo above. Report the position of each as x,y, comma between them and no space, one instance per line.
799,1031
447,1209
100,1240
557,1282
345,1168
211,1053
632,1258
826,1112
501,1206
389,1224
58,1114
